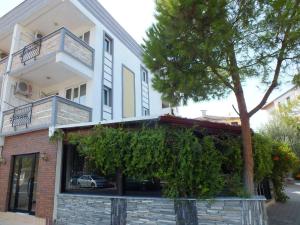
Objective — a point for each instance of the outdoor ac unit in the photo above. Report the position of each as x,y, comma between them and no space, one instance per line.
37,36
23,88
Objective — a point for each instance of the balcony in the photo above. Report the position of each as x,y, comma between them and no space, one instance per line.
44,113
56,57
3,65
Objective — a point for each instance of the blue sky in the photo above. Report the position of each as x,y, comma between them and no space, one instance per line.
136,16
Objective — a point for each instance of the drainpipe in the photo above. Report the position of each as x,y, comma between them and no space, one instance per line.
57,176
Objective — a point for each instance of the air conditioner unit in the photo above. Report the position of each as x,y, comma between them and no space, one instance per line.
23,88
37,36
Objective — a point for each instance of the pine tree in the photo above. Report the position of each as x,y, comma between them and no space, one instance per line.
205,49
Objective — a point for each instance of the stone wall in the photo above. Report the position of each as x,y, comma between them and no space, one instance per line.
71,114
40,117
91,210
79,51
3,65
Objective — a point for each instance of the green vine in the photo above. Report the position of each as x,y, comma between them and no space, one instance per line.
58,135
188,164
188,167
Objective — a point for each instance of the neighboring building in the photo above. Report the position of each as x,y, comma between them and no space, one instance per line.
284,98
61,63
236,121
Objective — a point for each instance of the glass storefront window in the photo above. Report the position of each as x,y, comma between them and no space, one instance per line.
80,175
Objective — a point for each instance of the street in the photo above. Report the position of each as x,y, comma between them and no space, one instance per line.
286,213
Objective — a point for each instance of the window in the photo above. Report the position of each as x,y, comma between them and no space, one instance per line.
288,99
165,105
107,96
144,76
146,112
108,44
77,94
82,175
85,37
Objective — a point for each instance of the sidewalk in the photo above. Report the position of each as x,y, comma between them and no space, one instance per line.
286,213
19,219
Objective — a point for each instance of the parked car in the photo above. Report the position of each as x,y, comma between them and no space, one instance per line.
92,181
74,180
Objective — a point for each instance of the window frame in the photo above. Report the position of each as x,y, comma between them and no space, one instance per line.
145,75
108,40
146,111
107,98
79,93
83,36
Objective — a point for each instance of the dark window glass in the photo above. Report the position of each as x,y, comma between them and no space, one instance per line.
146,187
108,45
82,98
81,175
165,105
76,95
107,96
69,94
145,76
86,37
146,112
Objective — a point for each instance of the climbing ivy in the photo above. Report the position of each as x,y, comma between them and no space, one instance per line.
188,167
188,164
285,161
57,135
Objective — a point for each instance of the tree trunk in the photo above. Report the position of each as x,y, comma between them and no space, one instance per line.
247,143
120,182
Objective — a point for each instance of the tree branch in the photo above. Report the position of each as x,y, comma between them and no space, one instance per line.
280,59
223,79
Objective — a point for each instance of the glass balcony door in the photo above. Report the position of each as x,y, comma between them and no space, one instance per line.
23,184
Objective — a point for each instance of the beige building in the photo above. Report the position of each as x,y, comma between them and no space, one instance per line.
232,120
284,98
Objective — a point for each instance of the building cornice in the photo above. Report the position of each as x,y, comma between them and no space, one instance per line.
19,14
100,13
31,7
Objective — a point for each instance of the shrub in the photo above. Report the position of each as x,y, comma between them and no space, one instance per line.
190,167
285,161
262,156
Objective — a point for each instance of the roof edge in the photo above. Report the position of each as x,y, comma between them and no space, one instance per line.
98,11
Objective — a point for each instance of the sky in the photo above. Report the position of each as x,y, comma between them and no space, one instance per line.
136,16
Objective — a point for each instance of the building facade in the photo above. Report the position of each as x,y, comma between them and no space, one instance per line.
290,95
61,63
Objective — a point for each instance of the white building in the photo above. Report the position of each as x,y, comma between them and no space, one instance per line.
282,99
62,63
75,50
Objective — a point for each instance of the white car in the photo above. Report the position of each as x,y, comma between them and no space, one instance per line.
91,181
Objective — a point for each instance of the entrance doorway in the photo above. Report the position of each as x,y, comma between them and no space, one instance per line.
23,184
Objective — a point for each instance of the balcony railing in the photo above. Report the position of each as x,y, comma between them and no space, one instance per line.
61,40
46,112
3,65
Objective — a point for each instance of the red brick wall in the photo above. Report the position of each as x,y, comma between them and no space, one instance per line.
33,142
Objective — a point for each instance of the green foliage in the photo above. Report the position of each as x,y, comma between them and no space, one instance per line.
58,135
189,167
285,161
284,125
107,147
232,163
263,150
204,49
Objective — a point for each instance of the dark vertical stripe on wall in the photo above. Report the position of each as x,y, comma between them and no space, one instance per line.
186,212
118,211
